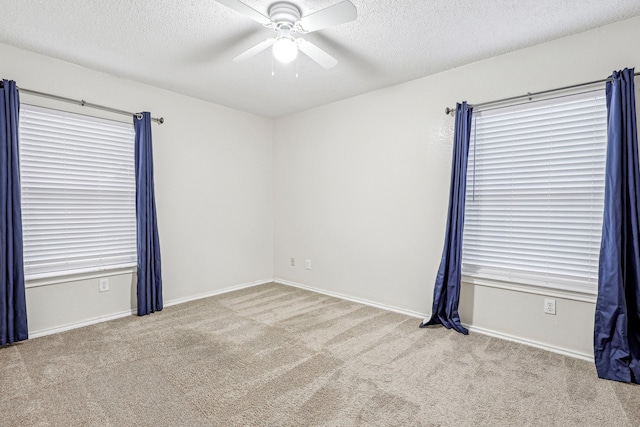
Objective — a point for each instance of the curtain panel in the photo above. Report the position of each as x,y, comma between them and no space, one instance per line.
149,285
446,293
13,309
617,323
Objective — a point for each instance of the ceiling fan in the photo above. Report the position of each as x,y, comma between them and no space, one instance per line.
285,19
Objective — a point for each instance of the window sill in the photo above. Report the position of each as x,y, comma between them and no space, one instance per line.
515,287
46,281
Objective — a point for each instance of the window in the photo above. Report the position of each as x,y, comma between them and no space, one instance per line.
535,193
78,193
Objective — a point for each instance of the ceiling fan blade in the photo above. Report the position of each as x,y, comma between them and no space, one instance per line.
332,15
255,50
238,6
325,60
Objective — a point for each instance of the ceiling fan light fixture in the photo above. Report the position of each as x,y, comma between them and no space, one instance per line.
286,20
285,49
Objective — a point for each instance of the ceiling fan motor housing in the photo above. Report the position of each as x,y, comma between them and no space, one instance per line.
284,15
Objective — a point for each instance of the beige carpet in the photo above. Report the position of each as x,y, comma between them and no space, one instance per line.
273,355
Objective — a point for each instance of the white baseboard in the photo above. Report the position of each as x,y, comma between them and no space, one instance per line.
353,299
475,329
125,313
532,343
216,292
86,322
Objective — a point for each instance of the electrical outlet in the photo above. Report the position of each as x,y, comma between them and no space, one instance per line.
104,284
293,262
550,306
308,265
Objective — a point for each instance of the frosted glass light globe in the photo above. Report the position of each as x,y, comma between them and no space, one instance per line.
285,49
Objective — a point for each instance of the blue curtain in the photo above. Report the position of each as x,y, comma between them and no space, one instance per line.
13,308
149,271
446,293
617,326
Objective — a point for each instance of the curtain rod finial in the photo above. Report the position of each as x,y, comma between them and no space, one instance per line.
449,111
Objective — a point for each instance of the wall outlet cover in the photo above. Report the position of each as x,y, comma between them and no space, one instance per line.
549,306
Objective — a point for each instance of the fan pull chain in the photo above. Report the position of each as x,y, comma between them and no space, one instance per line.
272,71
297,62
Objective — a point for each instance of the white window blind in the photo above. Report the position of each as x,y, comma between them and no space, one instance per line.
535,191
78,193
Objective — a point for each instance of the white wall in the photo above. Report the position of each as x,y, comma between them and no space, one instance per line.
361,187
213,180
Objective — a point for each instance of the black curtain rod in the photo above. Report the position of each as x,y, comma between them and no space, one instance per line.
452,111
84,103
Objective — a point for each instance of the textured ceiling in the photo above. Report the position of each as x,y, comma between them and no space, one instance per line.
188,46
